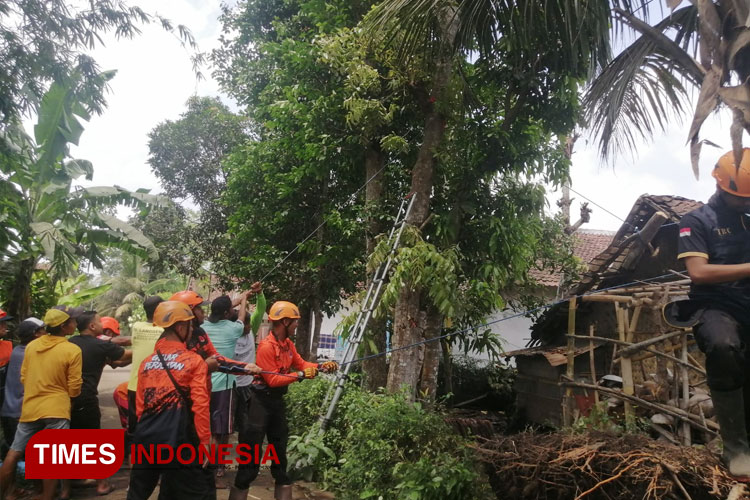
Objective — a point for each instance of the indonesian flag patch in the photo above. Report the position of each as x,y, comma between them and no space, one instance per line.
685,231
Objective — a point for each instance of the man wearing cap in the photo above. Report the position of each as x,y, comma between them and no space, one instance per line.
28,330
51,374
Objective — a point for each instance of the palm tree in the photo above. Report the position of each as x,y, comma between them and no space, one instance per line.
649,82
44,217
436,33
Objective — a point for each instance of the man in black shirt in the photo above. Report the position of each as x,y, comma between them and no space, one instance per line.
84,411
714,243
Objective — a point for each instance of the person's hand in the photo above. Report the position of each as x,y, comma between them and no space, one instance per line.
213,364
310,372
206,460
328,367
255,289
252,368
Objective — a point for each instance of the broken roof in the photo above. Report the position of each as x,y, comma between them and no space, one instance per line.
609,261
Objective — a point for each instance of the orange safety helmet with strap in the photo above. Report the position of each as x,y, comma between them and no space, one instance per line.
283,309
732,178
188,297
170,312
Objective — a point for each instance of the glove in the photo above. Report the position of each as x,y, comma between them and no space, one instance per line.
328,367
309,372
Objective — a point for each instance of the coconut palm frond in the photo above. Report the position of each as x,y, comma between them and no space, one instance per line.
642,89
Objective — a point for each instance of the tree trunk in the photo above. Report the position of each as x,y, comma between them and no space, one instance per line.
317,314
302,340
408,325
429,379
407,328
375,369
19,302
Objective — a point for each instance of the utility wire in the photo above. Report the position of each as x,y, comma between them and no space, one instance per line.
474,327
597,205
351,197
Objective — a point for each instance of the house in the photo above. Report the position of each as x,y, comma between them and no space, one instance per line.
644,248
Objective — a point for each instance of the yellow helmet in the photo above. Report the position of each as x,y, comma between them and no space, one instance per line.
170,312
283,309
732,178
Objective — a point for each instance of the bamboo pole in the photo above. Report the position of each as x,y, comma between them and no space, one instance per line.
626,367
650,352
568,404
710,427
649,287
626,352
607,298
592,362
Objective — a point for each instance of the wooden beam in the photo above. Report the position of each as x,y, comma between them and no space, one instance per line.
628,351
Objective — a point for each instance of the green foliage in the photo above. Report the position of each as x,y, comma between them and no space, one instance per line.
46,218
471,379
46,40
386,447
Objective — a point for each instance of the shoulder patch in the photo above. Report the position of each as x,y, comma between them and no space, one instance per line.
685,231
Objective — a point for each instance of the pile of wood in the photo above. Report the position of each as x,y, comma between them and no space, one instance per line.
602,466
661,381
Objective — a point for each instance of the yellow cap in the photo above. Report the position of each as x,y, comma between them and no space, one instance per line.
55,317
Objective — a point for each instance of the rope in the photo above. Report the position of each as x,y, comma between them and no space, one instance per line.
474,327
351,197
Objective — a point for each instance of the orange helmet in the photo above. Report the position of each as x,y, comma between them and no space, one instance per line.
110,323
732,178
189,297
283,309
170,312
4,316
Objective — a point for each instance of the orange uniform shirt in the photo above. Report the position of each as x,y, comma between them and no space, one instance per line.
156,393
279,357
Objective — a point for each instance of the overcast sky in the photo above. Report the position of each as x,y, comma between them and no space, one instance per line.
155,79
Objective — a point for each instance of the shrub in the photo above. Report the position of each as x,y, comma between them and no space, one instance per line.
386,447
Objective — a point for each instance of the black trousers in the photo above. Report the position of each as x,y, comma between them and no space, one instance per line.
9,425
192,483
726,343
265,418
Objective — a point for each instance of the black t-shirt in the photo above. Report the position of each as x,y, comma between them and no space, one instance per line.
721,235
95,354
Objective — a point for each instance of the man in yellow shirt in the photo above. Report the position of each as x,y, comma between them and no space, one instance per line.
51,375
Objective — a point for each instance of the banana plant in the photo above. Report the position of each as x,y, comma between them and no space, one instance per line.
45,218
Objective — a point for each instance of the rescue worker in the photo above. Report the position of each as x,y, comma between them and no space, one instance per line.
714,244
111,332
160,404
266,412
200,343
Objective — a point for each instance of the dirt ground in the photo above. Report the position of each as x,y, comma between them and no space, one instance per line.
262,488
